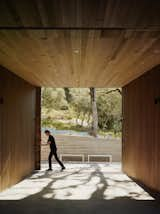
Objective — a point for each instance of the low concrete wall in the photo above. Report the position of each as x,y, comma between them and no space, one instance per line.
86,146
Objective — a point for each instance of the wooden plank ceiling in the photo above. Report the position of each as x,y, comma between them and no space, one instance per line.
79,43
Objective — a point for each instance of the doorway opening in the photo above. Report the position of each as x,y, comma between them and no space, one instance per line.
86,123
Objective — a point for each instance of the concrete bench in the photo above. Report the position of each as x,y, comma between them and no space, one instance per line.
106,156
72,155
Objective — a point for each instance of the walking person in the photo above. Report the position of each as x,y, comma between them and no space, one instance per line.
53,151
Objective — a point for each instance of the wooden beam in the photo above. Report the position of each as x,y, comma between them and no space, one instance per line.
157,28
80,13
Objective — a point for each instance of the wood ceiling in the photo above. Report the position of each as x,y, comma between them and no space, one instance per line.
79,43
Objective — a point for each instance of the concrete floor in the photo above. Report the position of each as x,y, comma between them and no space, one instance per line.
90,188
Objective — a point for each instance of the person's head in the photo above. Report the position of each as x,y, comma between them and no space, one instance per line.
47,132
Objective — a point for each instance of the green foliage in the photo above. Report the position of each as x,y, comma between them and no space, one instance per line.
54,99
81,106
109,110
48,122
70,108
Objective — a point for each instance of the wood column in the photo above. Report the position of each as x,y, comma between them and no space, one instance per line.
38,129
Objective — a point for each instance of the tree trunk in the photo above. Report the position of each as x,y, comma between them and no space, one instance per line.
88,119
68,95
94,127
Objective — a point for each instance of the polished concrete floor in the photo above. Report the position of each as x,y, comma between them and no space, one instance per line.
90,188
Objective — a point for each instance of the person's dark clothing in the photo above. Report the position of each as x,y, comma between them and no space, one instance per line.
53,152
56,157
53,146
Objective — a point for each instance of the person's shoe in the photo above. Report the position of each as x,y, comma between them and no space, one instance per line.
63,168
49,170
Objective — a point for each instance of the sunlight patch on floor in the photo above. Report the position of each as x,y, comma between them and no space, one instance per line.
77,182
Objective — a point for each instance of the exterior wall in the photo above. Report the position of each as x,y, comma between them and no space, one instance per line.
141,129
17,128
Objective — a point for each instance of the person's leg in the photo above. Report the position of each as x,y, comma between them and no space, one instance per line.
50,160
57,159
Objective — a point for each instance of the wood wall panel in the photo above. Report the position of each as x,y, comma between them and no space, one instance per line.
141,129
17,129
38,129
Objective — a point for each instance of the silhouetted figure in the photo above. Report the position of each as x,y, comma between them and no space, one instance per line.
53,151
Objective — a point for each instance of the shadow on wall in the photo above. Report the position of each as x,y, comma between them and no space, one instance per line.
78,190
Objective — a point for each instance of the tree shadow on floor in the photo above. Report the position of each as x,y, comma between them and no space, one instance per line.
95,204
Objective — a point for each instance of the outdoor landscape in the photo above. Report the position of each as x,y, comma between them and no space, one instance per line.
84,121
82,111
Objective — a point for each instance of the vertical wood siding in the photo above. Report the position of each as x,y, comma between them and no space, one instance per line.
17,128
38,129
141,129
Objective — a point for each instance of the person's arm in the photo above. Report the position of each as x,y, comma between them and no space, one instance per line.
43,143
